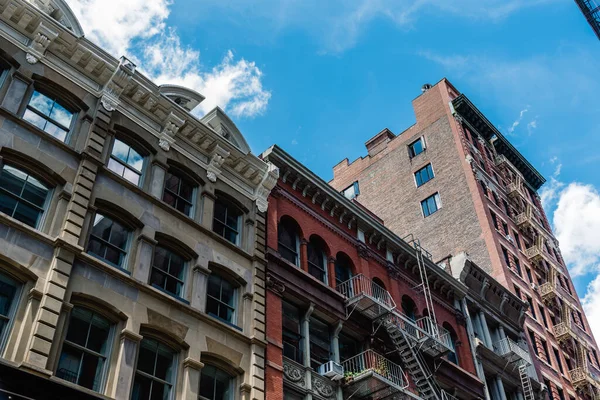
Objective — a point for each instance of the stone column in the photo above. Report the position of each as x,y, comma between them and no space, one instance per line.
143,258
158,174
200,282
331,271
303,254
306,334
335,342
247,313
208,208
501,332
486,331
500,387
191,379
248,237
128,349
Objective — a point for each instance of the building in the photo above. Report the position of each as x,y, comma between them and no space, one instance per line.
132,233
461,187
591,12
343,288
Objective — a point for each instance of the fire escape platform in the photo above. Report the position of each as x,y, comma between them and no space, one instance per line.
430,338
366,297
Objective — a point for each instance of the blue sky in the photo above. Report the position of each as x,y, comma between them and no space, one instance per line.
320,78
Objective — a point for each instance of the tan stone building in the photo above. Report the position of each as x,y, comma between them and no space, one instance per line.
132,233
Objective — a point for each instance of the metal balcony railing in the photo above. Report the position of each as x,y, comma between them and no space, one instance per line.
512,351
534,252
432,339
562,332
371,375
367,297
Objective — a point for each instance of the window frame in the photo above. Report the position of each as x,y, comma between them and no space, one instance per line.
181,176
324,268
126,249
438,203
231,383
411,152
143,153
236,291
428,168
109,347
175,365
290,221
55,100
10,316
50,187
228,205
167,274
355,190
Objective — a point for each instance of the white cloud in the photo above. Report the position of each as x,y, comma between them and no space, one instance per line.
518,120
532,125
591,305
138,29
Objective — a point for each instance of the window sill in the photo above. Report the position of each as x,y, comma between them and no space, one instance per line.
79,388
181,299
224,321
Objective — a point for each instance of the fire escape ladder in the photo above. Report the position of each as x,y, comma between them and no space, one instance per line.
526,382
414,363
424,285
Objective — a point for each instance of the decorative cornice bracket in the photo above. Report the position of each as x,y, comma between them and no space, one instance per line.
43,36
117,83
217,158
172,125
266,185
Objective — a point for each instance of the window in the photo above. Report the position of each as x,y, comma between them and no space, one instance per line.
226,221
155,372
409,308
561,394
109,240
518,292
424,175
416,147
85,350
557,357
453,355
517,265
215,384
343,269
431,204
495,197
506,258
517,239
288,240
168,271
48,115
505,227
494,219
292,333
533,343
126,162
179,193
348,347
9,291
320,343
484,188
221,299
547,384
546,353
351,191
22,196
529,276
531,307
543,314
317,260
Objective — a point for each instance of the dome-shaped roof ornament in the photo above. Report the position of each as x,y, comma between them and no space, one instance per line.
61,12
186,98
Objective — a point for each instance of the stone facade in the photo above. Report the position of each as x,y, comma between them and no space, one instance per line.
489,210
94,252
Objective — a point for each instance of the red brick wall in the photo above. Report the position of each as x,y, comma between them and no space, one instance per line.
274,363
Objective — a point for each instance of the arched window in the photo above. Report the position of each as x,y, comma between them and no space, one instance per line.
22,196
288,235
168,271
227,220
126,162
155,374
453,355
317,258
343,268
83,359
221,300
215,384
9,293
109,240
409,308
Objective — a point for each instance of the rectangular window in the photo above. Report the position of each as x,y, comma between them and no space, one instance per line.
561,394
517,265
226,221
518,292
109,240
506,208
424,175
494,219
431,204
221,299
156,369
531,307
506,258
292,334
48,115
505,227
320,343
533,343
9,291
348,347
550,394
416,147
126,162
557,358
529,276
168,271
179,193
22,196
543,314
351,191
517,240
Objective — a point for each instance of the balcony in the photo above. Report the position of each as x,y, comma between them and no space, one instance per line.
371,376
582,376
366,297
549,291
512,351
430,338
535,253
564,332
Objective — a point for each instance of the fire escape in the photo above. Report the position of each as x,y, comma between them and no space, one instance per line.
572,338
591,11
371,376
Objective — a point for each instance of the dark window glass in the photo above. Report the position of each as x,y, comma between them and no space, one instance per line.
505,227
506,258
320,344
168,270
155,373
494,219
453,355
506,207
179,193
83,357
531,307
517,265
221,298
533,343
126,162
22,196
424,175
226,221
484,188
409,308
343,272
430,205
557,357
108,240
543,314
8,294
518,292
317,261
348,347
292,336
288,241
48,115
416,147
517,240
529,276
215,384
550,394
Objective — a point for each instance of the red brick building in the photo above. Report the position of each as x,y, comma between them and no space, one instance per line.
456,182
342,287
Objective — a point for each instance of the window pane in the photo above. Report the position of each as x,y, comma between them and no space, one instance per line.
61,115
55,131
232,219
119,235
172,183
220,211
35,192
141,387
135,159
68,364
116,167
113,256
12,179
161,258
7,204
78,326
231,235
227,293
214,286
186,190
177,266
212,306
183,206
27,214
164,363
41,103
132,176
147,356
207,382
120,150
34,118
157,278
98,335
173,286
7,295
96,247
169,198
90,375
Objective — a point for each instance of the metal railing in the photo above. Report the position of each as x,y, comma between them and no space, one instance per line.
508,347
436,331
561,330
534,252
578,375
421,328
448,396
360,285
370,362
